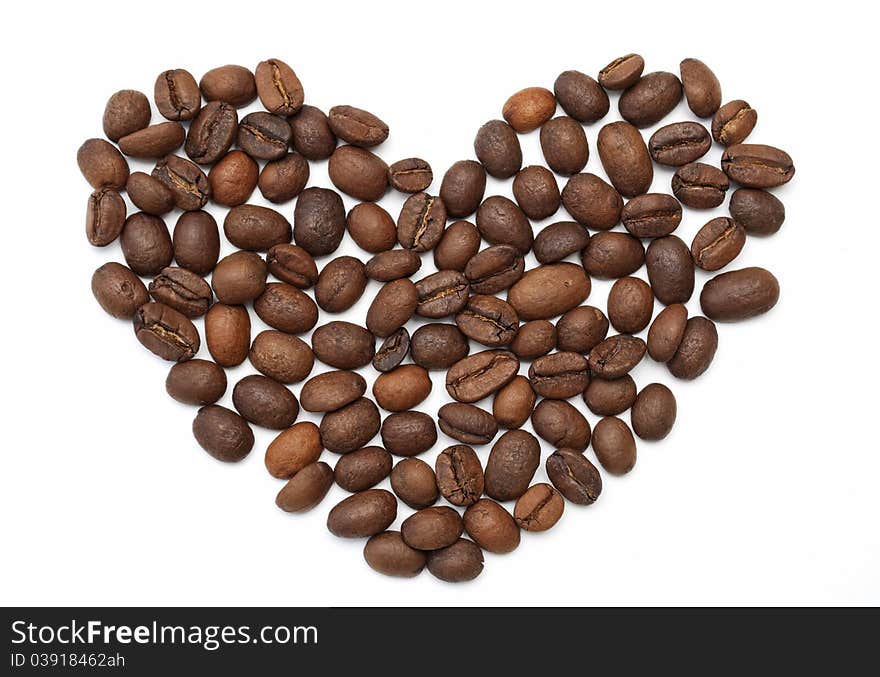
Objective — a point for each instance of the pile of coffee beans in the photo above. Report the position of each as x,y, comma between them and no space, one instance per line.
515,340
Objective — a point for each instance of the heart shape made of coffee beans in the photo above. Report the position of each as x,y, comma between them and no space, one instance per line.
484,349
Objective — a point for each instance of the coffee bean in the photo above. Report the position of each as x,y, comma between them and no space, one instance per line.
459,244
581,97
223,433
560,240
718,243
148,194
529,108
670,269
118,290
653,413
513,404
285,358
358,172
102,165
155,141
494,269
696,349
564,144
283,179
414,483
612,255
306,489
387,554
177,95
497,148
614,445
438,346
146,244
700,186
256,228
464,183
196,242
364,514
312,136
231,84
491,526
263,136
211,133
610,397
651,215
392,307
357,127
623,72
536,192
233,179
105,217
343,345
701,87
393,351
332,390
458,563
630,305
559,375
549,290
182,290
292,264
279,89
459,475
501,221
185,180
412,175
351,427
474,377
539,508
402,388
265,402
362,469
758,211
408,433
340,284
581,329
561,424
393,265
616,356
198,382
285,307
739,294
625,158
592,202
488,320
239,278
733,122
467,423
432,528
511,465
421,222
319,221
679,143
650,99
574,476
534,338
666,331
757,166
371,227
127,111
228,334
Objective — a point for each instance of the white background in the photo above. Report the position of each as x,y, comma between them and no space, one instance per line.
766,492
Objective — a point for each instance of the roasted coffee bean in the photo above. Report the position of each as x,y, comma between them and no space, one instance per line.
414,482
458,563
616,356
292,264
211,133
467,423
491,526
534,339
102,165
402,388
228,334
265,402
592,202
306,489
581,329
285,307
197,382
718,243
371,227
182,290
494,269
118,290
332,390
340,284
581,97
610,398
312,136
561,424
319,221
536,192
695,350
670,269
679,143
364,514
513,404
362,469
574,476
177,95
105,217
460,243
387,554
127,111
392,307
739,294
623,72
155,141
239,278
512,464
757,166
408,433
185,180
653,413
357,127
432,528
479,375
279,89
358,172
666,331
196,242
351,427
283,179
421,222
263,136
464,184
148,194
393,265
560,240
758,211
501,221
651,215
488,320
630,305
392,352
733,122
438,346
612,255
231,84
165,332
539,508
256,228
625,158
559,375
549,290
529,108
412,175
233,179
459,475
699,185
497,148
701,87
614,445
564,144
343,345
650,99
223,433
146,243
285,358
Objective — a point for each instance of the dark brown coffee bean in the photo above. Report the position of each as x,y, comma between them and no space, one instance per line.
696,349
340,284
739,294
513,404
718,243
362,469
414,483
458,563
293,449
623,72
256,228
758,211
463,186
402,388
408,433
412,175
501,221
185,180
231,84
283,179
651,215
460,243
650,99
560,240
459,475
393,265
467,423
534,339
312,136
183,290
733,122
265,402
233,179
438,346
358,172
701,87
497,148
529,108
616,356
105,217
670,269
479,375
754,165
239,278
127,111
494,269
512,464
700,186
263,136
306,489
279,89
285,307
118,290
488,320
549,290
581,329
155,141
625,158
146,243
223,433
197,382
102,165
292,264
421,222
574,476
343,345
148,194
564,145
357,127
653,413
177,95
371,227
679,143
539,508
536,192
614,445
196,242
165,332
592,202
612,255
610,398
666,331
559,375
351,427
392,307
392,351
362,515
332,390
491,526
211,133
561,424
285,358
630,305
319,221
581,97
228,334
387,554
